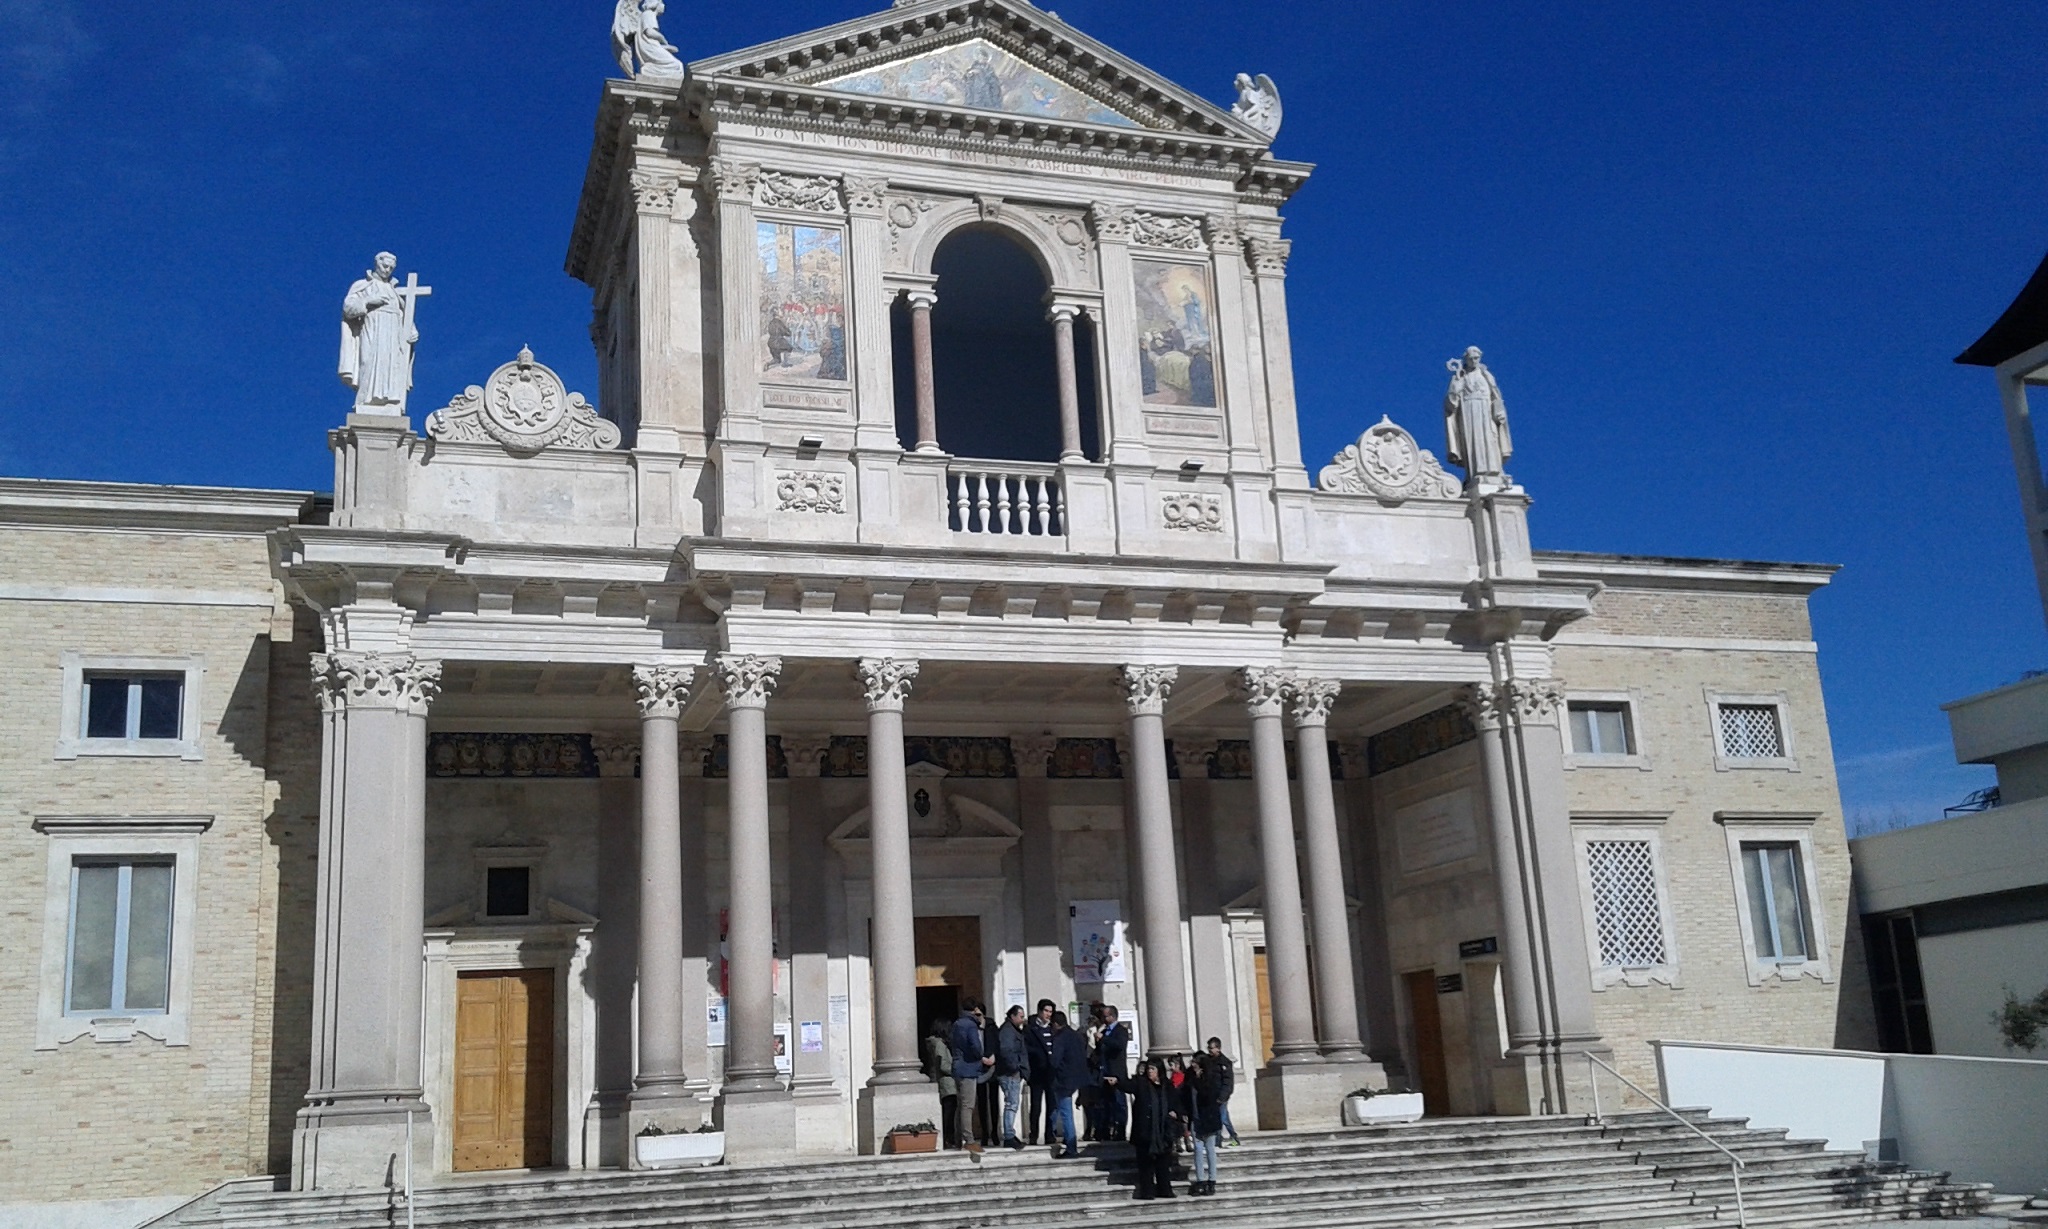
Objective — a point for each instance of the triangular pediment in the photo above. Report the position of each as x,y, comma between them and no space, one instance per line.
983,55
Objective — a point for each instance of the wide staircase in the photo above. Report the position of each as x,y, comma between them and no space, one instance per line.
1637,1169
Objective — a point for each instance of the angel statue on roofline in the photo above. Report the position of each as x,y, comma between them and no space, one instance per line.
636,32
1258,103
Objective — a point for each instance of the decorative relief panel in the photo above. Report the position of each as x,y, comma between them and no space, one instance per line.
511,755
1387,463
776,190
960,757
1192,511
525,407
1440,730
904,213
1154,230
810,491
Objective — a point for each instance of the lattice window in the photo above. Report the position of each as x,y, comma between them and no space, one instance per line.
1626,911
1750,732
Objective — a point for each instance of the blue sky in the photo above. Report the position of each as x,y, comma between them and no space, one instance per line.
1719,256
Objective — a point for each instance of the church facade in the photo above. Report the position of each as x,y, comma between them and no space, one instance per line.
934,604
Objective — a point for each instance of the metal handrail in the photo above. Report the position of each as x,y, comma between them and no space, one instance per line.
1735,1164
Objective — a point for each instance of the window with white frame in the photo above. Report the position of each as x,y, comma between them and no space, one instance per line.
1777,896
1777,901
1629,933
1601,727
1750,732
118,927
130,706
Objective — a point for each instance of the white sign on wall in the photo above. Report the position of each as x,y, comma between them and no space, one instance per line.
714,1020
1099,945
1437,831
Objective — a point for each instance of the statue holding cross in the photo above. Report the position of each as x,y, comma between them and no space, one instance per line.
377,337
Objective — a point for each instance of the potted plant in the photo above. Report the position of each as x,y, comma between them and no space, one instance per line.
654,1148
1377,1107
911,1137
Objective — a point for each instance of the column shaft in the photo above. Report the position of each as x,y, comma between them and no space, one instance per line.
1165,967
1070,390
661,1074
895,926
1519,974
1294,1036
750,932
921,353
1336,992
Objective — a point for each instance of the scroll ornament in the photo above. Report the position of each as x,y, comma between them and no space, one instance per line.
525,407
779,191
1387,463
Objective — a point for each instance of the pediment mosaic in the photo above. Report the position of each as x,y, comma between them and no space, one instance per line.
981,75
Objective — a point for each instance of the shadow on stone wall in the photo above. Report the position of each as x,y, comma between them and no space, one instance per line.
293,828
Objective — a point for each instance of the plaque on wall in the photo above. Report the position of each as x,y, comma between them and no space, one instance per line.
1451,983
1478,947
1436,831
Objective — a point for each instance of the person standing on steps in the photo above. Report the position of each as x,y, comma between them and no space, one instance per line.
1013,1062
1208,1085
1113,1067
938,1068
1038,1046
1226,1075
970,1067
1154,1126
990,1098
1069,1075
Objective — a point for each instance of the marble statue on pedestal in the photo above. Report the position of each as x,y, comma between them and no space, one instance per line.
636,32
1258,103
1476,419
377,337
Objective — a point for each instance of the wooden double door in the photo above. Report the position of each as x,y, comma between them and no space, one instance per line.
505,1069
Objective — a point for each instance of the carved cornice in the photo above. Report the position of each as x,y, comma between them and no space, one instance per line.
398,682
1313,699
1269,256
864,197
618,755
654,191
1111,223
663,690
805,193
1147,687
887,681
746,680
734,181
1264,689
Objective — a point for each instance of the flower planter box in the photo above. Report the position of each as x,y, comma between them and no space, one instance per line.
679,1151
900,1142
1383,1110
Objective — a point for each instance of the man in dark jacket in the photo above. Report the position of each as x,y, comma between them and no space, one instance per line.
1069,1075
1013,1062
1038,1047
1226,1077
1113,1069
970,1067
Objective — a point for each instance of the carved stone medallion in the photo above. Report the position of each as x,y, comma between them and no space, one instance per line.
1386,462
1197,512
525,407
806,490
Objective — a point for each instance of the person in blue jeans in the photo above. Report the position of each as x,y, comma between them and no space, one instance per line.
1070,1074
1226,1078
970,1068
1012,1061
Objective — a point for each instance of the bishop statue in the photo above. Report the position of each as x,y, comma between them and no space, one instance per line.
1476,419
377,337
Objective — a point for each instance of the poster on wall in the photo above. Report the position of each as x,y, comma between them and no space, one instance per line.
783,1058
714,1021
810,1036
1098,940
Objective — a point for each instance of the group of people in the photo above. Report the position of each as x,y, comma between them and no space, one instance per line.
1166,1107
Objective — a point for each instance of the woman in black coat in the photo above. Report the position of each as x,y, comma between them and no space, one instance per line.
1209,1090
1155,1126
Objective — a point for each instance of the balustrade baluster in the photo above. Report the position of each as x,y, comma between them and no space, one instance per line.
1041,506
981,504
960,521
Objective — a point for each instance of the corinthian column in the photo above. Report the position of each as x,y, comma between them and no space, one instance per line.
750,931
1294,1030
1336,992
662,691
894,944
1166,1008
364,1083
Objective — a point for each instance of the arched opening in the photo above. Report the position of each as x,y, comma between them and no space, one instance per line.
995,369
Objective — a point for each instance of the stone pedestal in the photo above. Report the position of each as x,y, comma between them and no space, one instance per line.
1534,1079
360,1143
758,1126
1310,1096
883,1107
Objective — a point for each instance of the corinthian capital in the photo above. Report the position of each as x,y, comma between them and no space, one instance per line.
887,681
1264,689
617,754
863,196
735,181
1269,256
654,190
663,690
806,753
1193,756
1146,688
1033,753
746,680
1484,705
1535,700
1112,222
1313,700
396,681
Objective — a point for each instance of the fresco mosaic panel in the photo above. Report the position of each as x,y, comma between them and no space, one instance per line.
1176,333
979,74
803,302
1425,736
510,755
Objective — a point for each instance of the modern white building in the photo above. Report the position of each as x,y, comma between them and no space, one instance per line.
935,602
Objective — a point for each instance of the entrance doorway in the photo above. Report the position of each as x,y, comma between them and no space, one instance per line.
1428,1028
505,1069
948,966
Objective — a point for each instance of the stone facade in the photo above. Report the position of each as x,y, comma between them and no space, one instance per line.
744,728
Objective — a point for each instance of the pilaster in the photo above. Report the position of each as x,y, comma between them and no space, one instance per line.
1269,269
1118,353
874,372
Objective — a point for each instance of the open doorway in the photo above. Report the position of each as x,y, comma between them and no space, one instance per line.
948,967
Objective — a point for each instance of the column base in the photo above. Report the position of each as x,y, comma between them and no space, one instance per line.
1552,1077
360,1142
1309,1096
759,1126
820,1115
607,1143
884,1107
